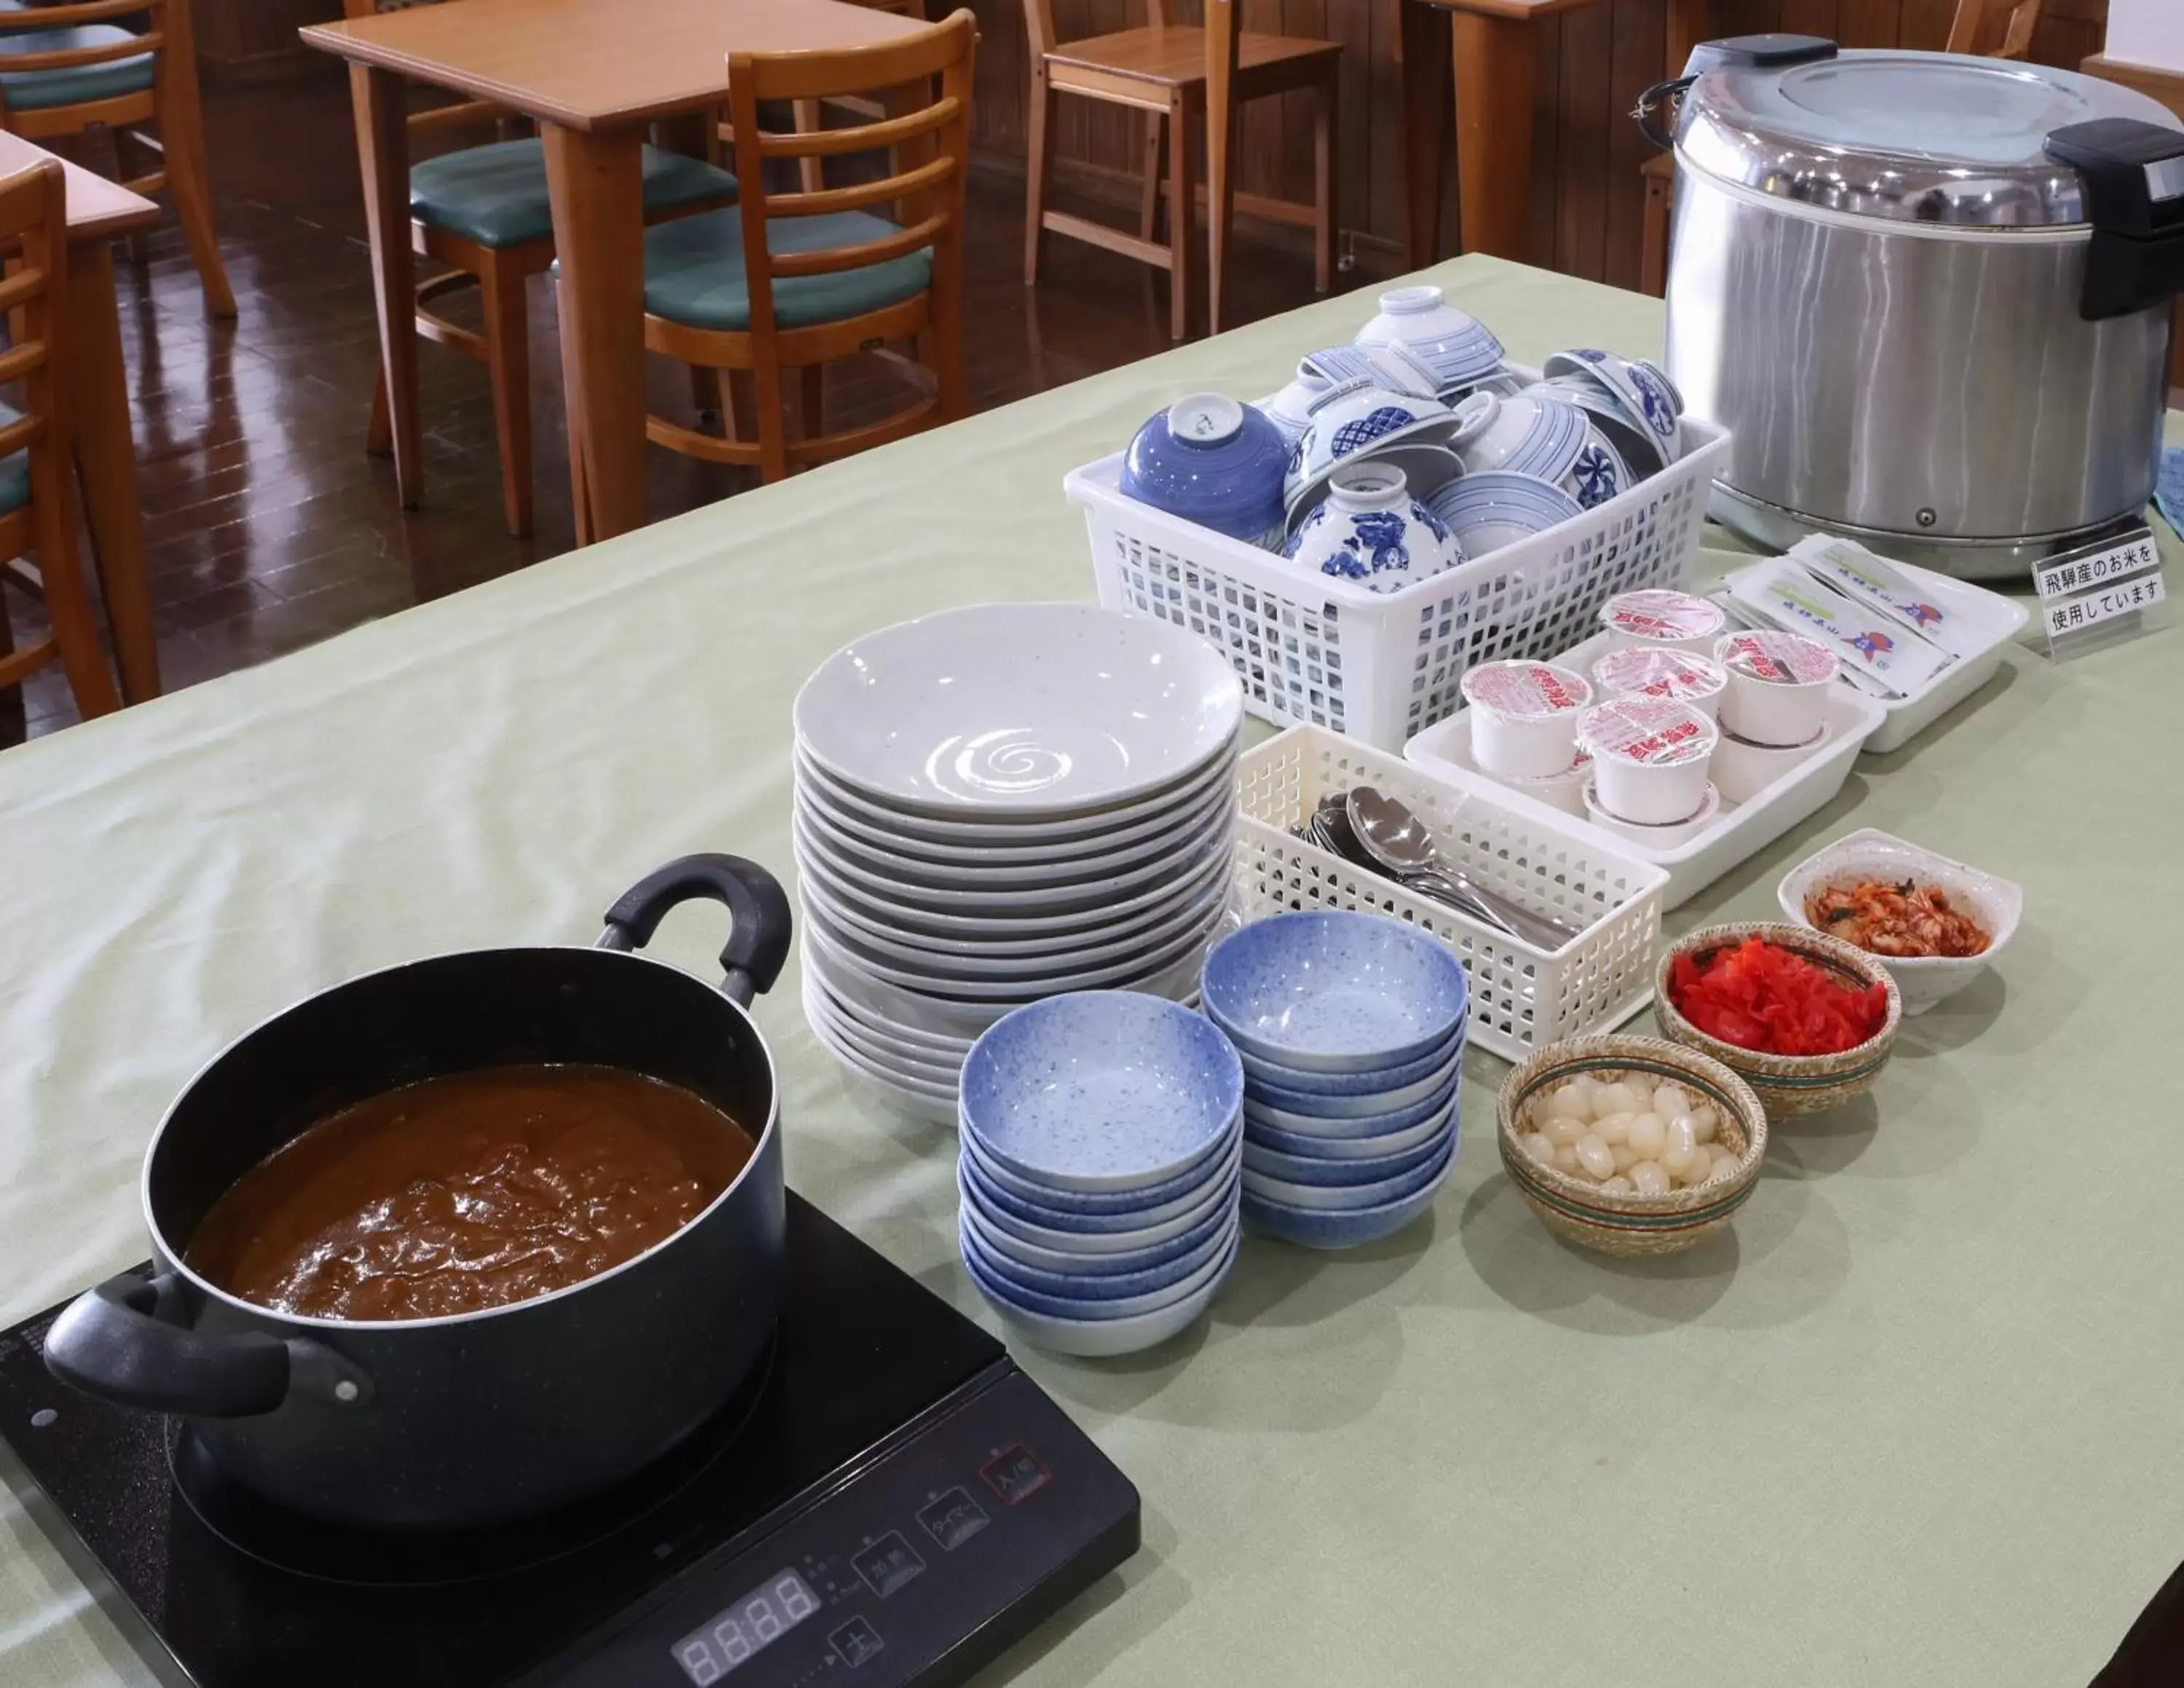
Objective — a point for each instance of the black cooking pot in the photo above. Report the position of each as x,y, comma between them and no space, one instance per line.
480,1418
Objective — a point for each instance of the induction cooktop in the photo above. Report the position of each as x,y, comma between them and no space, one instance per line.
888,1500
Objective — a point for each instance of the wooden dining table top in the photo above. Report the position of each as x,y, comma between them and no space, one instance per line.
597,63
97,209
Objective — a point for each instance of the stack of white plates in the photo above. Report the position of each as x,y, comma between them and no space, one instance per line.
997,805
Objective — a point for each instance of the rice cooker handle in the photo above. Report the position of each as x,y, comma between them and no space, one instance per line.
1774,51
2134,178
758,911
127,1341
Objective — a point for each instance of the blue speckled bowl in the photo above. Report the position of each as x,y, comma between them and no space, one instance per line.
1309,1106
1021,1280
1264,1162
1203,1171
1088,1215
1322,1228
1111,1233
1005,1295
1258,1117
1335,991
1282,1193
1099,1092
1211,460
1259,1074
1003,1238
1317,1145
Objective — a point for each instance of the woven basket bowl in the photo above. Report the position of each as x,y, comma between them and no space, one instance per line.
1788,1085
1631,1226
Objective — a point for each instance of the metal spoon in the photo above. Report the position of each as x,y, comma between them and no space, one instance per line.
1398,841
1328,827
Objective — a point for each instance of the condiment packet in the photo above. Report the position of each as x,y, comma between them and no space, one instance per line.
1397,368
1870,644
1879,584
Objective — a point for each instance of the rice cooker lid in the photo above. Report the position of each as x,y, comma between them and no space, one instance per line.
1928,137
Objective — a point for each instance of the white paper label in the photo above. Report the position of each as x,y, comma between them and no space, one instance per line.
2065,617
2071,574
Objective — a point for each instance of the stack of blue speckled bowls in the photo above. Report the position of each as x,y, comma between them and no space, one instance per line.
1100,1169
1350,1027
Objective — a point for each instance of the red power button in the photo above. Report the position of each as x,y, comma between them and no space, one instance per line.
1015,1474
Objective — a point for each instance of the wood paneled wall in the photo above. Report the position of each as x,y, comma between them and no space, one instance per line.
1587,196
250,40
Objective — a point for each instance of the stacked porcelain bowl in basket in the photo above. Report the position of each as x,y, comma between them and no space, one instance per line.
1350,1027
1101,1135
999,804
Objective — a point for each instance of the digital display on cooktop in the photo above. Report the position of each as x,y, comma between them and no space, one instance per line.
746,1625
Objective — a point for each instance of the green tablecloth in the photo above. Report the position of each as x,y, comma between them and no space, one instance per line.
1915,1423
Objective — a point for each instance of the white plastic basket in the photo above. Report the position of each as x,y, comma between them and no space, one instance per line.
1521,996
1314,650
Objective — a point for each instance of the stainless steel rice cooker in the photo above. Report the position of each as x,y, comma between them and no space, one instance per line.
1929,294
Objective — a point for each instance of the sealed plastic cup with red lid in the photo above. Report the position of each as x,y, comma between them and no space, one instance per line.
1778,684
1662,671
1658,617
1523,718
1649,757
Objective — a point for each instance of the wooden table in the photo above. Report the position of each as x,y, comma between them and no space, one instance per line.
592,74
97,387
1493,45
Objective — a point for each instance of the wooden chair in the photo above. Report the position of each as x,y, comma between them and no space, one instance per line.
807,111
793,281
1160,70
2007,24
483,211
1999,29
68,68
37,508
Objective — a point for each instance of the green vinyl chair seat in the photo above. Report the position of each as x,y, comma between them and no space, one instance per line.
79,84
14,468
693,271
496,194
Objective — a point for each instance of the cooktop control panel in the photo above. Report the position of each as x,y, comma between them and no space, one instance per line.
928,1562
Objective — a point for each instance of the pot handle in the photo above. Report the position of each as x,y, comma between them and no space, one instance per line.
758,909
124,1341
1776,52
2134,179
1659,95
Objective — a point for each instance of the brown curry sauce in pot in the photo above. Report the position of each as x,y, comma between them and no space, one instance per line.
468,1192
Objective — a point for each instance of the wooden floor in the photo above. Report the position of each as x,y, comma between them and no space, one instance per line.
269,528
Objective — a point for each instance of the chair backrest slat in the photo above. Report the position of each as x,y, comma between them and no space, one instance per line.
928,158
833,260
862,138
68,16
1968,28
75,58
468,114
824,201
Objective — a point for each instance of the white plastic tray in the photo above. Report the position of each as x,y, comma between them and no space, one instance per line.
1743,828
2000,620
1521,996
1379,666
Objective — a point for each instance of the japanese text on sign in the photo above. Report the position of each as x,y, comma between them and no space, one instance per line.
2075,574
2096,607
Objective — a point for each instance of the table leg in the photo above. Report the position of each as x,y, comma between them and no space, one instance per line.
1423,45
106,465
1220,150
598,231
382,156
1496,57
